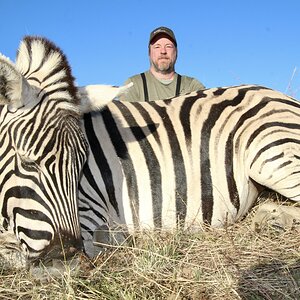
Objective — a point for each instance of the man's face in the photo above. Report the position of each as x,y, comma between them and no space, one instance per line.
163,54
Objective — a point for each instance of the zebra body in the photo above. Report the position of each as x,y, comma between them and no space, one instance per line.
199,158
42,151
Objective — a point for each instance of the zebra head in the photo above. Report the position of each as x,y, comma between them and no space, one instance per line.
42,152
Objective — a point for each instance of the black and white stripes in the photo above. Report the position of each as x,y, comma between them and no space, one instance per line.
197,158
42,151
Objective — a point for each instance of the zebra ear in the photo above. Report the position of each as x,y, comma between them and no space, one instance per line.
95,97
12,84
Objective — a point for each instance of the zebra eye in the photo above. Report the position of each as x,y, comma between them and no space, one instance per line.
38,215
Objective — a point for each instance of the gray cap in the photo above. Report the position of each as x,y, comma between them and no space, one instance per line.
163,30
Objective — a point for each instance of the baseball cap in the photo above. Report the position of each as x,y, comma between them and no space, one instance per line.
164,30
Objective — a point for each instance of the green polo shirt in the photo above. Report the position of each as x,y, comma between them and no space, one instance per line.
157,89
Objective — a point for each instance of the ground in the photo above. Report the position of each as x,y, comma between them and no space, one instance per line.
232,263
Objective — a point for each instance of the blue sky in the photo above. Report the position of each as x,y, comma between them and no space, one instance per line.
220,42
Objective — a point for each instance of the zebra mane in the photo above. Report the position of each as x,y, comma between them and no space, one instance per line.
45,66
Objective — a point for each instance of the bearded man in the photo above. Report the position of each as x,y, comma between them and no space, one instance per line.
161,81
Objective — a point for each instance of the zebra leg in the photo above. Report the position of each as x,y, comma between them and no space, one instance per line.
278,168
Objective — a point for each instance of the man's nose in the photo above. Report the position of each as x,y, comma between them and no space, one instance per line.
163,50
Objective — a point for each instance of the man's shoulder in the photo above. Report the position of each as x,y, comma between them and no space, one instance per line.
136,91
192,82
187,78
136,77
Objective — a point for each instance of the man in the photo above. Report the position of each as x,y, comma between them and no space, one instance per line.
161,81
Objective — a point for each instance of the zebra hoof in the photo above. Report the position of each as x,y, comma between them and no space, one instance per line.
278,217
103,239
106,237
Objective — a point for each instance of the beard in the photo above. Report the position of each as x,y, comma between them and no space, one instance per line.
163,66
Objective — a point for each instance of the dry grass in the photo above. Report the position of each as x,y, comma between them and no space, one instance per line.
232,263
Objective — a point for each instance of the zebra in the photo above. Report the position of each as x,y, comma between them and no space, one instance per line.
42,153
197,159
